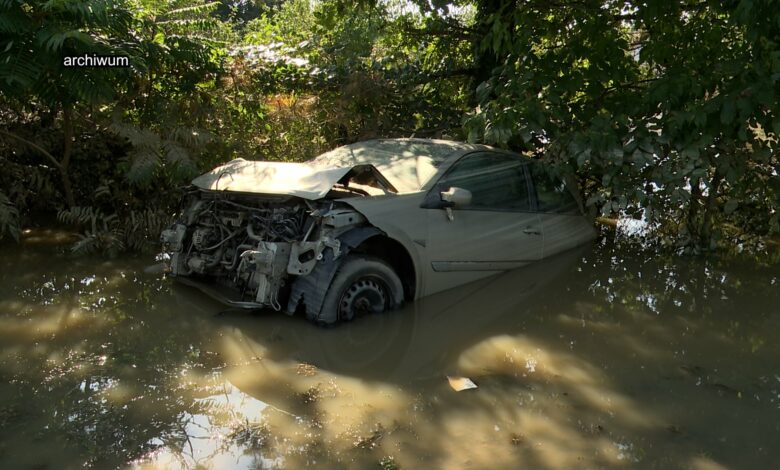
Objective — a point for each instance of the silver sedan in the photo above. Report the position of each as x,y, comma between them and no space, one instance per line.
368,226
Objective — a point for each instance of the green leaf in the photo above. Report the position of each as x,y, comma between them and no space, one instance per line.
595,199
700,119
730,206
727,112
583,157
776,125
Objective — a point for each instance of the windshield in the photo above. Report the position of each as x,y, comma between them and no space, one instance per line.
407,163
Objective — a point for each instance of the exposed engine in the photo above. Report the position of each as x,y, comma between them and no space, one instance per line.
253,244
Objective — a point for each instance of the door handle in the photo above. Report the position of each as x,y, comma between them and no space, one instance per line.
532,231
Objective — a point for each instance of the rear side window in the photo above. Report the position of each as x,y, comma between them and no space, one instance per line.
496,181
552,194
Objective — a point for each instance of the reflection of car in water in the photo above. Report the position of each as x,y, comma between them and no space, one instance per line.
367,226
424,338
427,336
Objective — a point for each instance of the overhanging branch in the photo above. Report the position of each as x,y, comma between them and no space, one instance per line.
33,145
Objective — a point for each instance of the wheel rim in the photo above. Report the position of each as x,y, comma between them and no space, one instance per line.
363,296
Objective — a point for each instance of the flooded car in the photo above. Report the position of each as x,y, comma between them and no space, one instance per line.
367,226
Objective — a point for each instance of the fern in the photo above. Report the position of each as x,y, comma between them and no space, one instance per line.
86,244
178,157
18,66
87,88
112,234
190,137
144,162
204,8
189,19
143,228
34,36
13,18
108,242
103,191
52,38
153,155
138,137
77,215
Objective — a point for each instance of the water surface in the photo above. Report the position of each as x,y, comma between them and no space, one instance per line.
597,358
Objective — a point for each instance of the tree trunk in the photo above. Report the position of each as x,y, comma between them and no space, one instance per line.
706,225
63,164
67,151
694,223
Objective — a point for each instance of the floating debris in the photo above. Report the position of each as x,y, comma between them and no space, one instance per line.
516,439
371,441
461,383
674,429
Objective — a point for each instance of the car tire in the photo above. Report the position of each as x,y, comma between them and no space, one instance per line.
361,285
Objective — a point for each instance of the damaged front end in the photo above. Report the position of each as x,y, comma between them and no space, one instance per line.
247,249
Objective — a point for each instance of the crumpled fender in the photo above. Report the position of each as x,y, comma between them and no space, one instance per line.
310,290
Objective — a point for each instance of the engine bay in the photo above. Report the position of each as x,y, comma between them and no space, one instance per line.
254,244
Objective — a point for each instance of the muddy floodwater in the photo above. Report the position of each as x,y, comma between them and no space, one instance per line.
598,358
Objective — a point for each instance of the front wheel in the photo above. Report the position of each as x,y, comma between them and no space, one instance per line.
362,285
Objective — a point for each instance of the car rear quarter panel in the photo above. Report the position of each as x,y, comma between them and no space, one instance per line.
563,231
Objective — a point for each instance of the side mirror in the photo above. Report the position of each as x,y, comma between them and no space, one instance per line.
456,197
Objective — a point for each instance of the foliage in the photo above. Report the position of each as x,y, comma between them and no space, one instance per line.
667,109
364,75
36,35
152,153
110,234
173,49
664,111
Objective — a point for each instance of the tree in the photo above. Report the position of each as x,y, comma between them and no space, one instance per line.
664,110
35,37
669,109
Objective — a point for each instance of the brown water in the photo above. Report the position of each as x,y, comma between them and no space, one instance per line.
595,359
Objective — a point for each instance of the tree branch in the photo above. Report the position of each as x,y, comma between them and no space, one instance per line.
460,72
33,145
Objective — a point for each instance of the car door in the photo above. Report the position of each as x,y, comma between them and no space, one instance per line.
497,230
562,222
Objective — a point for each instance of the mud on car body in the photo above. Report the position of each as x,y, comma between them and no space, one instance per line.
365,227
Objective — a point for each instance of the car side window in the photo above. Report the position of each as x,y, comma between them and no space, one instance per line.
496,181
552,194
